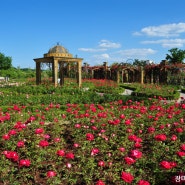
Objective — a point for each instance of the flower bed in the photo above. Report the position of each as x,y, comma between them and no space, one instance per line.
153,91
114,143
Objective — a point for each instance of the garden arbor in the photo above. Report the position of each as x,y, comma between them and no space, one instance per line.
58,56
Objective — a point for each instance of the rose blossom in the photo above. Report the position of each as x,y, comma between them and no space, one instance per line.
89,136
143,182
94,151
179,130
129,160
77,125
12,132
173,138
132,137
121,149
6,137
12,155
182,147
70,155
151,129
51,174
136,154
127,177
43,143
100,182
101,163
39,131
20,144
138,145
167,165
181,153
24,162
57,139
160,137
68,165
61,153
76,145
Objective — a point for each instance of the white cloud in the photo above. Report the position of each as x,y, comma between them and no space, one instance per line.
165,30
104,56
167,43
108,44
92,49
137,53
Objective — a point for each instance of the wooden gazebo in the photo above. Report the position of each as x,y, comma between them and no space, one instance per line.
58,56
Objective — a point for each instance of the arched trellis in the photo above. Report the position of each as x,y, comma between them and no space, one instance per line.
128,73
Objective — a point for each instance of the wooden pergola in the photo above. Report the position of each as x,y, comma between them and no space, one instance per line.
58,56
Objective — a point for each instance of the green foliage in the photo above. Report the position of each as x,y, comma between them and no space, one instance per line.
176,55
16,73
140,62
5,61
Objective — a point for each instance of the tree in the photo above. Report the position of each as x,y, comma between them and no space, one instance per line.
176,56
5,62
140,62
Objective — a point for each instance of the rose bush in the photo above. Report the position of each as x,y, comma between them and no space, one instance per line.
114,143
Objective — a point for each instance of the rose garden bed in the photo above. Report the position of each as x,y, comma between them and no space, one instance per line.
55,141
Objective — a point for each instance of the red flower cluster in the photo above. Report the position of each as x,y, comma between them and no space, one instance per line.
43,143
127,177
160,137
12,155
24,162
167,165
89,137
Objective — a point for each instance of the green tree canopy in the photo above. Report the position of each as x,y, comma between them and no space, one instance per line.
5,62
140,62
176,56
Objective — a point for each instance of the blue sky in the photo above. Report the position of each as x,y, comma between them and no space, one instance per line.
95,30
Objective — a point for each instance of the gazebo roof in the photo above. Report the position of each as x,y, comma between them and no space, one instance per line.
58,49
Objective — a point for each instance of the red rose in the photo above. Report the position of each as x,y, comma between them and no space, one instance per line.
143,182
100,182
136,154
51,174
43,143
160,137
132,137
127,177
181,154
167,165
129,160
24,162
6,137
89,136
61,153
173,138
121,149
11,155
94,151
182,147
179,130
39,131
70,155
20,144
101,163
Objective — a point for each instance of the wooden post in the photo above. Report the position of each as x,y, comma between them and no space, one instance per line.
79,73
55,70
142,75
117,77
38,73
